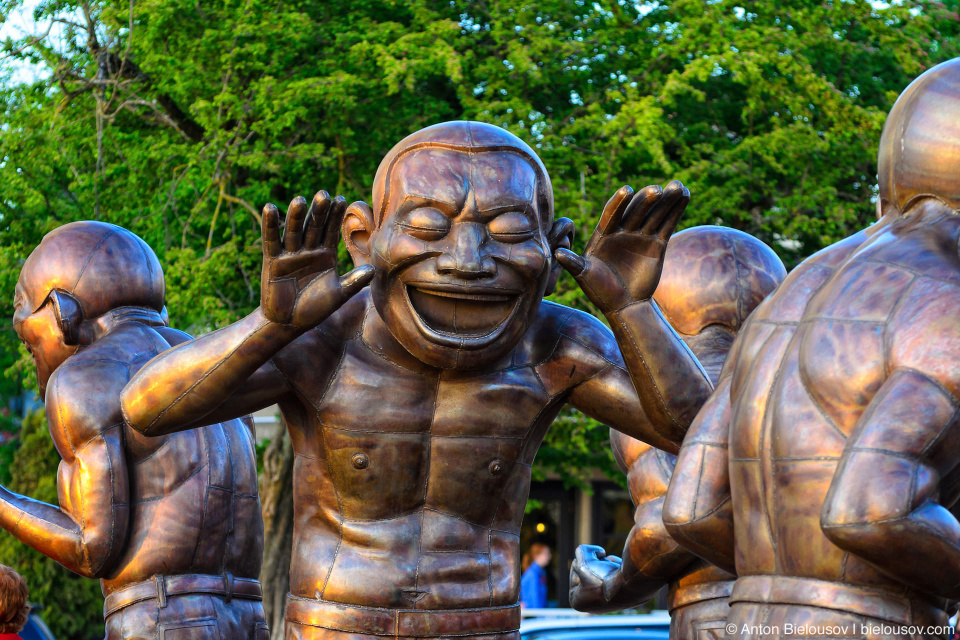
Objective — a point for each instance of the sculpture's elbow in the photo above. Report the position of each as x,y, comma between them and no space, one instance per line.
689,532
849,531
847,537
708,535
136,413
685,527
101,544
96,560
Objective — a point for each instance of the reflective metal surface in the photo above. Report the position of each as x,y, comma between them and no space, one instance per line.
713,278
416,405
823,467
925,116
89,306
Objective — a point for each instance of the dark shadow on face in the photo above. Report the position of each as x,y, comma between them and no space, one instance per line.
40,332
462,255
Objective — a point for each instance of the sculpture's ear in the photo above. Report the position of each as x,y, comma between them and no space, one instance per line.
358,226
560,237
69,315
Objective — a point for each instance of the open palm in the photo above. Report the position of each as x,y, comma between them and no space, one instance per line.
624,258
299,284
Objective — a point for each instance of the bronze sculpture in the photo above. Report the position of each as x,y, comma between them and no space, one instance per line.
416,406
170,524
713,278
823,467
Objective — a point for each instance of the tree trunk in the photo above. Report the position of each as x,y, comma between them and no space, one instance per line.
276,497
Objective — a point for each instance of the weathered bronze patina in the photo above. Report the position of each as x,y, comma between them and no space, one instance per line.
170,524
824,466
713,278
416,407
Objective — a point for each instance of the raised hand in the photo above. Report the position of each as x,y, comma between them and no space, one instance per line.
624,258
299,284
594,578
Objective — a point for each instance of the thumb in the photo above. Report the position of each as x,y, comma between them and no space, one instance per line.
570,261
351,283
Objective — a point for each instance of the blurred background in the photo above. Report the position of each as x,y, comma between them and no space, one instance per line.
180,119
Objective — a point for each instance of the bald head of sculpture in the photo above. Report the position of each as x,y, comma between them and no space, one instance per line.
920,147
80,272
713,278
462,235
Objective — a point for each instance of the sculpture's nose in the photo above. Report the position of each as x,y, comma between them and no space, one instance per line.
464,258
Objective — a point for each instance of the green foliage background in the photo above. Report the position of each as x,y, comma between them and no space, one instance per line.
179,120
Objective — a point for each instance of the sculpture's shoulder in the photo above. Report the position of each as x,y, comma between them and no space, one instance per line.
170,336
346,322
835,255
923,333
650,474
568,341
83,395
132,343
789,302
627,450
647,468
927,248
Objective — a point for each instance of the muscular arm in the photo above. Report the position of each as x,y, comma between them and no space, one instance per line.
222,375
86,533
619,271
651,558
668,378
185,386
885,496
611,398
698,512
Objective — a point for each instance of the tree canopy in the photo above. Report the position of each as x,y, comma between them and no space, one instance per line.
180,120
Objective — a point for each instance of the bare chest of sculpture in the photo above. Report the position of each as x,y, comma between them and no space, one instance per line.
422,478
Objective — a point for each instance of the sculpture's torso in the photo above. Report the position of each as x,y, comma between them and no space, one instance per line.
410,483
194,502
812,357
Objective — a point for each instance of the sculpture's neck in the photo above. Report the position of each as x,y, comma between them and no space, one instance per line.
105,323
379,337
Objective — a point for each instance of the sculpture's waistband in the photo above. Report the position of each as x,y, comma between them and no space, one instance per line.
412,623
865,601
162,587
681,596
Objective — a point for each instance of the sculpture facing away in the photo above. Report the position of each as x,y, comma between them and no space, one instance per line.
416,405
824,466
171,524
713,278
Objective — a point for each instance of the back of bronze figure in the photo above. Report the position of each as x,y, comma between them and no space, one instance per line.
831,441
170,524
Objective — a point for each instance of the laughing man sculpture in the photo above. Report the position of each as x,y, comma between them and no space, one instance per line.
416,407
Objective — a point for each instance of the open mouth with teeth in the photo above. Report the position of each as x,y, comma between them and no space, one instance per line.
461,315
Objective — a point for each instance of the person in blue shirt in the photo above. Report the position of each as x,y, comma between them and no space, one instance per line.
533,582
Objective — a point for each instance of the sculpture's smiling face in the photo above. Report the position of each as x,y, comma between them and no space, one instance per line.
462,255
